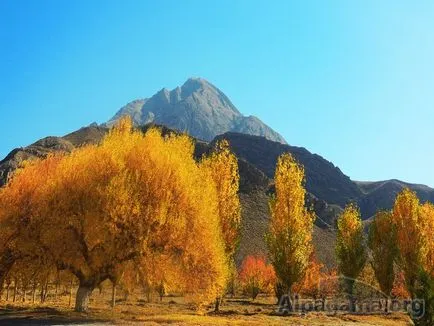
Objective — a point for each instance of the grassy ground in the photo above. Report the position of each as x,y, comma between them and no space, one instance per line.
173,311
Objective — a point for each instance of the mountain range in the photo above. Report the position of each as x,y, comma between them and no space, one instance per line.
203,111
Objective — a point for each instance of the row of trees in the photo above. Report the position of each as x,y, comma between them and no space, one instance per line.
400,241
136,203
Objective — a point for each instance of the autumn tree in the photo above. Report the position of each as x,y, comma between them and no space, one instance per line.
414,224
425,282
411,240
129,197
256,276
350,249
290,236
310,284
18,201
399,289
382,243
222,165
427,212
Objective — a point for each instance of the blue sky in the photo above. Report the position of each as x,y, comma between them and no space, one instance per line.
350,80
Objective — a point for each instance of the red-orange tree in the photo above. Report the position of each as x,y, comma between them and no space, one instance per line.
314,277
256,276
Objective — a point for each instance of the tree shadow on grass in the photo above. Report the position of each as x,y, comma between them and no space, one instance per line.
246,302
43,316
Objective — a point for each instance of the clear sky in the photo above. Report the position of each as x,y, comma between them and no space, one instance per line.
350,80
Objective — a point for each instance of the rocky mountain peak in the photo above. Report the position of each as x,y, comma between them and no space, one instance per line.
198,108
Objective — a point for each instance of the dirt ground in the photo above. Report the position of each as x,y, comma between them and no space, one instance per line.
173,311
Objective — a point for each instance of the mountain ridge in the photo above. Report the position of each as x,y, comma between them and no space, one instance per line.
198,108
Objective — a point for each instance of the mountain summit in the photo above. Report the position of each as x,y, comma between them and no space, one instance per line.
197,108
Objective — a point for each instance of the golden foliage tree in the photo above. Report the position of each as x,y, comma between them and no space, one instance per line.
413,235
382,242
130,197
18,201
290,236
350,249
222,165
414,227
427,212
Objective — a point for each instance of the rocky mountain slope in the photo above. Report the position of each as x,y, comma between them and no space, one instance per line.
197,108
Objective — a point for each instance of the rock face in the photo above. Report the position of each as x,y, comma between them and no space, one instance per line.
197,108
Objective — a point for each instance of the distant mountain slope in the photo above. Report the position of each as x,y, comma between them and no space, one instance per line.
198,108
323,179
381,194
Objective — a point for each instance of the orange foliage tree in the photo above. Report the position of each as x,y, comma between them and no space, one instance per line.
130,197
310,284
256,276
399,289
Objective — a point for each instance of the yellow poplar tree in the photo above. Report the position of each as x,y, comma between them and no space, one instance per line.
222,165
427,212
411,242
350,249
290,235
414,224
382,242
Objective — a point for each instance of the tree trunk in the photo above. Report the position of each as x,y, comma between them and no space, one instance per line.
82,298
7,260
217,304
350,291
113,295
7,291
281,290
70,292
42,293
24,293
34,292
15,290
46,290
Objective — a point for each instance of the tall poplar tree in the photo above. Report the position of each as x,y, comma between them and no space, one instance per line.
350,248
290,235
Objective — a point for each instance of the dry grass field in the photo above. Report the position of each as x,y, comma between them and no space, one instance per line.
173,311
